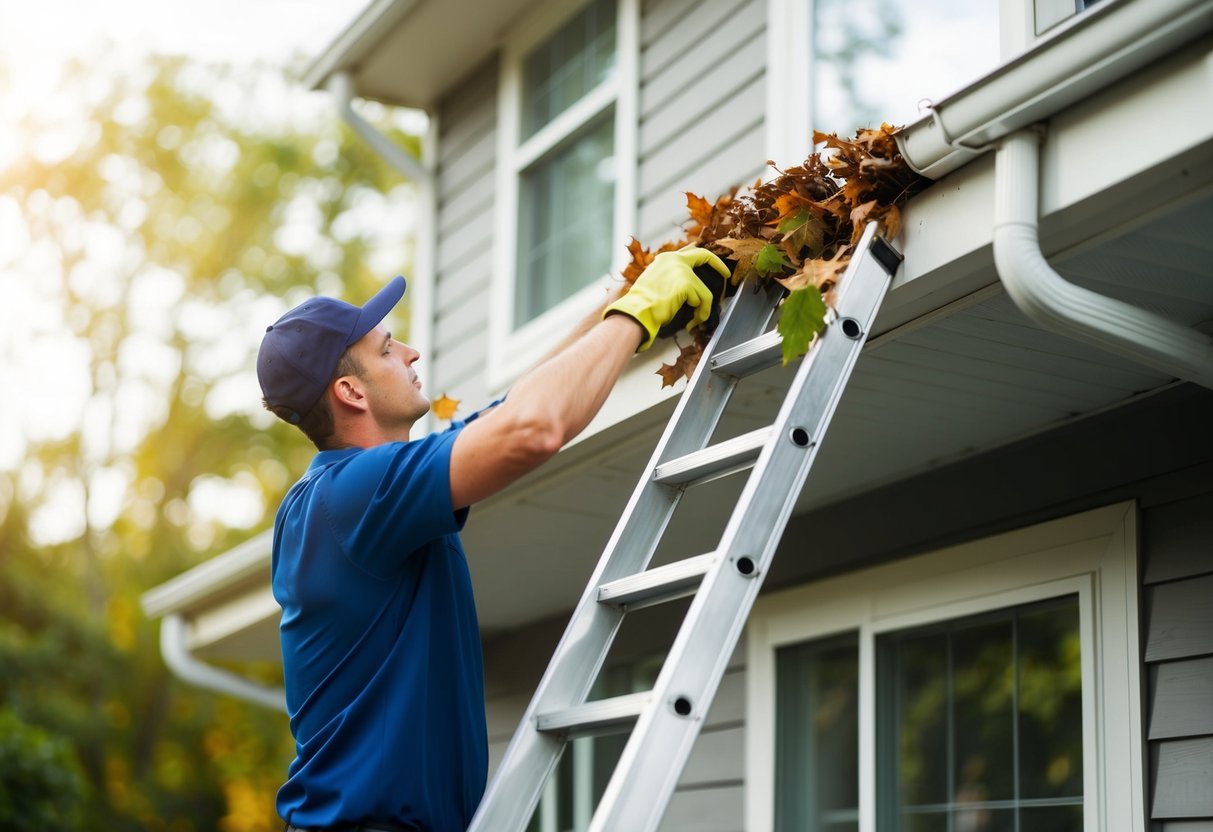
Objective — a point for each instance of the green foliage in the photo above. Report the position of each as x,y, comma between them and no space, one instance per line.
40,784
202,207
802,318
770,260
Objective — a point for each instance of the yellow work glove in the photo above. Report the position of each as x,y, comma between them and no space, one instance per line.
668,284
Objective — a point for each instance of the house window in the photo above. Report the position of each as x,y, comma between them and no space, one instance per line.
816,754
875,60
566,157
565,206
983,725
1048,13
992,686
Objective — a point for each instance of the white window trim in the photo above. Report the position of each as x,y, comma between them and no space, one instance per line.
1092,554
512,351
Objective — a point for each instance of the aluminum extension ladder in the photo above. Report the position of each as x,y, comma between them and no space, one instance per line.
725,582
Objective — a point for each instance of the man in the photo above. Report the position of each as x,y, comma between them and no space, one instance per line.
380,645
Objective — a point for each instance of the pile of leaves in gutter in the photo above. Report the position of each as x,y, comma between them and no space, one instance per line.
798,230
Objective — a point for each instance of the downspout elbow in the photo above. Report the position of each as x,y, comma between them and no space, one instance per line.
341,86
1058,305
175,650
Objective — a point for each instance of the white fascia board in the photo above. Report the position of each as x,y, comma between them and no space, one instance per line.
1114,159
208,581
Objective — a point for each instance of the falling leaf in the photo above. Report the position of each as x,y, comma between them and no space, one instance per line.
684,365
444,407
802,316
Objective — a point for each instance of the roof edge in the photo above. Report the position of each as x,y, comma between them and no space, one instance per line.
209,577
358,38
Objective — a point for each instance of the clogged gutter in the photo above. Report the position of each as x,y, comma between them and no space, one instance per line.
798,230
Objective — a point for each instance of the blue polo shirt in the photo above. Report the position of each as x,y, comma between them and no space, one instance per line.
380,644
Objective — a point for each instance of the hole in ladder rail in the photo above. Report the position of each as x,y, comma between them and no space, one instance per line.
851,328
745,565
682,706
800,437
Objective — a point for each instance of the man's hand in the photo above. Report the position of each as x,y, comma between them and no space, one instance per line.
668,284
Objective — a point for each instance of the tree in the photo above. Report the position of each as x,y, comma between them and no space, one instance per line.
169,218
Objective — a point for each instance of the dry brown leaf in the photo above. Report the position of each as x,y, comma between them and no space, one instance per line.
684,365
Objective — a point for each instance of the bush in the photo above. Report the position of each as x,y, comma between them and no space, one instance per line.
40,783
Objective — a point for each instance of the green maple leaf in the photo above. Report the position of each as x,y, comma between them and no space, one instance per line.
770,259
802,317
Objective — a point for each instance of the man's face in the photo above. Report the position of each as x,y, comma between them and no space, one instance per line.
393,390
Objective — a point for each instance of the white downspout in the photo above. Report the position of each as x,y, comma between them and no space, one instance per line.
1055,303
421,173
342,88
177,655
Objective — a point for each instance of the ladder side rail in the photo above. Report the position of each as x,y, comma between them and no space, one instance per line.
531,755
715,620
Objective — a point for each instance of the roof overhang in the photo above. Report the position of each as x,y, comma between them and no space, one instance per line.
410,52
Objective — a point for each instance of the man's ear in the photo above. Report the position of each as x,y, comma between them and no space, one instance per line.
348,392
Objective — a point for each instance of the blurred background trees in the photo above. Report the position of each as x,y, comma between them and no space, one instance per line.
162,219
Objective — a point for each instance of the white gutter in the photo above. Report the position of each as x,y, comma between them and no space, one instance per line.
1055,303
175,649
1095,49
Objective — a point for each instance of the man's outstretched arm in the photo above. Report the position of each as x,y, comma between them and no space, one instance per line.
556,400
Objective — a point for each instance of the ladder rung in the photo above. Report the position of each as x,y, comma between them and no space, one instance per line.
752,356
601,717
734,454
665,583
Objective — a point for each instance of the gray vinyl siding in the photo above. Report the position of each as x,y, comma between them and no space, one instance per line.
466,182
701,110
702,106
1178,631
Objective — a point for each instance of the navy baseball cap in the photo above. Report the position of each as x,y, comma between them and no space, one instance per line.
300,351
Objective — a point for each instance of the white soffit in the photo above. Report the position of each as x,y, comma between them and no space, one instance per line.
410,52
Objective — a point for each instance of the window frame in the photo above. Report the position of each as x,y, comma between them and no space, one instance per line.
514,350
1093,555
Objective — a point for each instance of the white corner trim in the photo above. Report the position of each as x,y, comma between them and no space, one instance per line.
1092,554
789,135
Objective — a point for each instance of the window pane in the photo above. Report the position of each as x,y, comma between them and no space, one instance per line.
816,747
979,723
922,698
566,212
876,59
1050,704
982,684
579,57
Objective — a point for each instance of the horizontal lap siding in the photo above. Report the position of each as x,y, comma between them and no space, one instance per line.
467,151
702,106
1178,631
